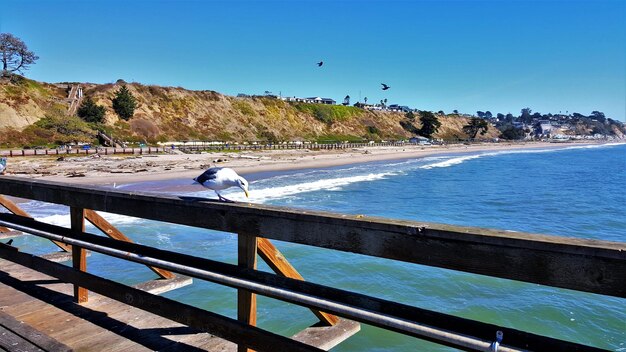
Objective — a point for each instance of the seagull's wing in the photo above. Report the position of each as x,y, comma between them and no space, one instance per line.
209,174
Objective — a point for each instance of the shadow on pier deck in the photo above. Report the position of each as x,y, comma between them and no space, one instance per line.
83,311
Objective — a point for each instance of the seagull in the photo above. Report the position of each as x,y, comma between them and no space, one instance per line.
319,64
219,178
385,87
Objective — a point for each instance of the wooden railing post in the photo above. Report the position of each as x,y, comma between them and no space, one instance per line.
246,300
277,262
15,209
110,230
79,255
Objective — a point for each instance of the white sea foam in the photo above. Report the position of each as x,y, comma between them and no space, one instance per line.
459,160
282,191
64,219
451,161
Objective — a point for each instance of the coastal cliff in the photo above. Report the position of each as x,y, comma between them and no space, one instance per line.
175,113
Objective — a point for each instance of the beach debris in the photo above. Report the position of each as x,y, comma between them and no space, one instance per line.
220,160
140,170
61,158
75,174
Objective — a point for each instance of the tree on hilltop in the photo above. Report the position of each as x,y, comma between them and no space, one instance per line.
476,125
90,111
14,54
598,115
526,116
430,124
124,103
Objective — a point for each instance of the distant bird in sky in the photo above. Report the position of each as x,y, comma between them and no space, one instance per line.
219,178
385,87
319,64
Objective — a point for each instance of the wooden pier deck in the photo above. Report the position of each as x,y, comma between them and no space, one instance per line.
101,324
55,322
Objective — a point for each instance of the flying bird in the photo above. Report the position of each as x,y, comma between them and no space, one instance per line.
319,64
219,178
385,87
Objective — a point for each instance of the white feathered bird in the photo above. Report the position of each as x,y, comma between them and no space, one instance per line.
219,178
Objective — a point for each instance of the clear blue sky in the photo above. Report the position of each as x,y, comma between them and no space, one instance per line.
499,56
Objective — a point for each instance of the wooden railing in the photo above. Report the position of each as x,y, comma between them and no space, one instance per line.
578,264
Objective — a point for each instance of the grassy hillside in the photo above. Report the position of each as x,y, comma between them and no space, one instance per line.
34,113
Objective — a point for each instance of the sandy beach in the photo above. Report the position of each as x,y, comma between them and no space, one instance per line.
103,170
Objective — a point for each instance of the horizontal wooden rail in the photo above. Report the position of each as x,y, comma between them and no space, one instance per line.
445,329
578,264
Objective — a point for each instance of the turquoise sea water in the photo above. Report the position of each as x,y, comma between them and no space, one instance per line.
575,192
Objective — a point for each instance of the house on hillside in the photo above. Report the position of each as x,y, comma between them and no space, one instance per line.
545,127
318,100
311,100
396,107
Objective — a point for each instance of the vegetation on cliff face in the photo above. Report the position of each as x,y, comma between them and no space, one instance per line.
173,113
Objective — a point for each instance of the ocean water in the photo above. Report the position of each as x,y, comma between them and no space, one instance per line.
575,191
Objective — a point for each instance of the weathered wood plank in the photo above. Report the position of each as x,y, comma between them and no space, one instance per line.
15,209
246,300
36,338
578,264
156,287
280,265
103,225
327,337
79,257
9,341
84,324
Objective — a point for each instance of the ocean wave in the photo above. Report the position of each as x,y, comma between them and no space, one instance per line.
460,159
64,219
283,191
452,161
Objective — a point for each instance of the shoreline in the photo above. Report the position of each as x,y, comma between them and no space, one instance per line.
100,170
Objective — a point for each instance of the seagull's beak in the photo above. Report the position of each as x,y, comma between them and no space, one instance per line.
246,192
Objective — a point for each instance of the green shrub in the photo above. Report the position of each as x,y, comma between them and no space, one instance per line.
90,111
124,103
328,113
243,107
